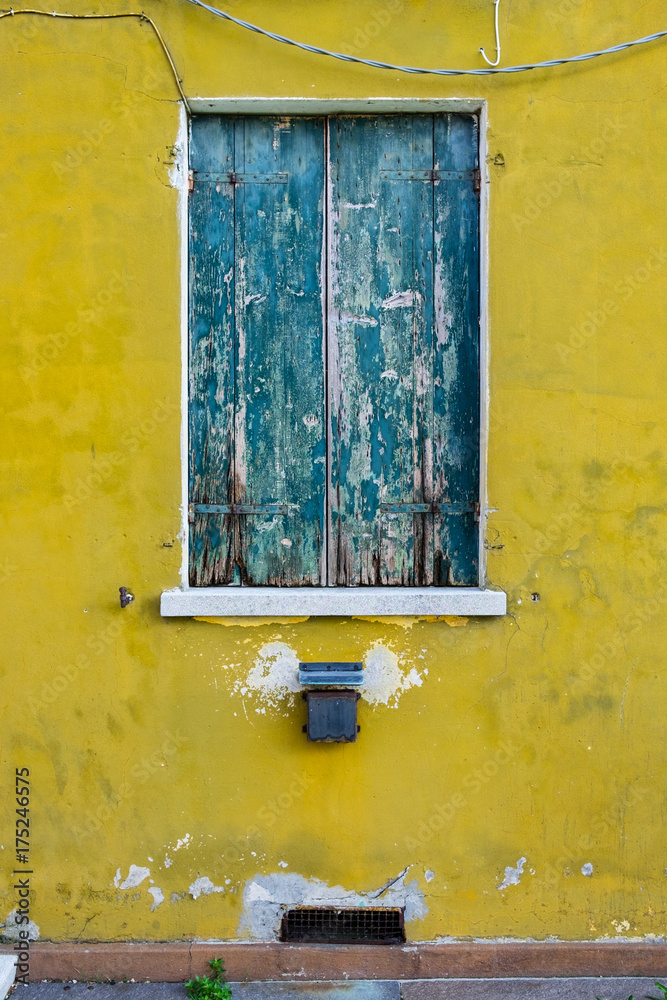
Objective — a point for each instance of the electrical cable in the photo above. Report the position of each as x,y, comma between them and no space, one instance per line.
484,55
487,71
419,69
85,17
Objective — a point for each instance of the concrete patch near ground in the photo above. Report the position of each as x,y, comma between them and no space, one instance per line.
7,971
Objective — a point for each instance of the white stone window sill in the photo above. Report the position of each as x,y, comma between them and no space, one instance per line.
297,601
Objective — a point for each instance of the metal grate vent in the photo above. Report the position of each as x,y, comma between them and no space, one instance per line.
367,925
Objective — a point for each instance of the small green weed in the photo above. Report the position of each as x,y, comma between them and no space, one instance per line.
213,987
649,997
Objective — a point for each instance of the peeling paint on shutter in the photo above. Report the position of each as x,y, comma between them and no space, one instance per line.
274,423
456,372
403,342
401,271
211,351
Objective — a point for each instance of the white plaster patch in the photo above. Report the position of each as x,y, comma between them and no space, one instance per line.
10,930
587,869
177,169
429,875
8,969
167,861
273,676
621,926
204,887
512,875
182,843
283,864
384,679
265,897
135,877
158,896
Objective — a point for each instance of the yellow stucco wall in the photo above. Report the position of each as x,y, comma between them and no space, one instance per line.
167,744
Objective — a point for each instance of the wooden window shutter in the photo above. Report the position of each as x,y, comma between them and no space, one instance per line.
404,350
257,456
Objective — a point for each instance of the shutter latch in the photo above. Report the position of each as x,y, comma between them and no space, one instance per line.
430,508
239,508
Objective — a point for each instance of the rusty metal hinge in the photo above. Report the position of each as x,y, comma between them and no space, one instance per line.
191,181
231,177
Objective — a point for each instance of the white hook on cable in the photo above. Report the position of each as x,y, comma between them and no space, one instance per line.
496,3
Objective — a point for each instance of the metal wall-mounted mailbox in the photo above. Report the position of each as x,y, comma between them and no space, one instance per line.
331,674
332,716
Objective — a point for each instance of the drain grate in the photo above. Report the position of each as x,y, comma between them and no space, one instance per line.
367,925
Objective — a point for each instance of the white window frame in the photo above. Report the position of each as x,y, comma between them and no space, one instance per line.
228,600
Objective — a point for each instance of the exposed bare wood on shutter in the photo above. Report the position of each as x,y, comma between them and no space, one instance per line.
273,418
403,321
402,355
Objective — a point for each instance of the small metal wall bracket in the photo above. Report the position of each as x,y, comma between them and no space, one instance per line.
125,597
331,674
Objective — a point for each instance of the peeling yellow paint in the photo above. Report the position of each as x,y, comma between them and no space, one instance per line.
403,621
249,622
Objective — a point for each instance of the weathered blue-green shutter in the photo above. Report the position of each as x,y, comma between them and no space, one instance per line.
456,372
265,316
211,349
403,350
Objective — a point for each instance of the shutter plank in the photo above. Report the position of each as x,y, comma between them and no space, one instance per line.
456,371
211,367
280,418
380,348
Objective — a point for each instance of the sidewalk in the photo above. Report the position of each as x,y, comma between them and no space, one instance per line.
415,989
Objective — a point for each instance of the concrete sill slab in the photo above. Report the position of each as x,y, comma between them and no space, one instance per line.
297,601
